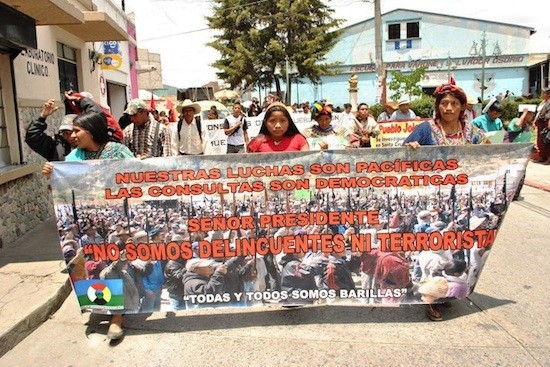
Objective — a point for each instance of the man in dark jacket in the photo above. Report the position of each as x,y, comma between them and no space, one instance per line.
173,273
204,277
296,276
52,148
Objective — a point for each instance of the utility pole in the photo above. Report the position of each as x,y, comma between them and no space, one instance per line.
287,94
380,68
449,67
483,56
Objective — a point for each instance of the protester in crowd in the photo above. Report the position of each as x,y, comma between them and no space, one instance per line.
151,277
94,268
52,148
455,272
337,274
389,109
347,118
163,118
173,273
235,128
90,236
542,121
520,129
124,120
254,109
92,139
392,273
278,132
449,127
404,111
306,108
203,276
296,276
323,135
82,102
145,136
469,112
240,269
155,114
74,257
191,135
212,114
490,119
364,128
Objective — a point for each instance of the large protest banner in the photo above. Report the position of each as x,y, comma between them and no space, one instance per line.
358,226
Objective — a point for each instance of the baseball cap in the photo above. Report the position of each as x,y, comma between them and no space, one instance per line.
134,106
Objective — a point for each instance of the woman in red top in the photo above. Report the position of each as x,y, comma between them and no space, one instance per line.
278,132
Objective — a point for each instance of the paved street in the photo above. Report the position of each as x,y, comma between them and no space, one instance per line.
504,323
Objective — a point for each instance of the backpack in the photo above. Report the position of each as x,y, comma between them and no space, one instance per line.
241,119
199,127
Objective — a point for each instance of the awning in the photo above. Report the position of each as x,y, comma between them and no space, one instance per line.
537,59
48,12
98,26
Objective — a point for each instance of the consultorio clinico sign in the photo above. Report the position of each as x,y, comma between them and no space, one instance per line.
37,60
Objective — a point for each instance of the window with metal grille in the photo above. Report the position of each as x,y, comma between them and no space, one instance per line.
413,30
68,76
394,31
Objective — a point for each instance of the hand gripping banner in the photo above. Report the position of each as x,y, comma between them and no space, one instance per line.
378,226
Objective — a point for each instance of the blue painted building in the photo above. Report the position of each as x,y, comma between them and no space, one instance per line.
446,45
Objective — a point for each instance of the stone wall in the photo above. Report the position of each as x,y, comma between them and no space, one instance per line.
26,202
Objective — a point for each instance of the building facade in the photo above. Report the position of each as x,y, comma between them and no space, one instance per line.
481,55
46,48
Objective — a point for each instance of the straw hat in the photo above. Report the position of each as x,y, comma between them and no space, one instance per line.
188,103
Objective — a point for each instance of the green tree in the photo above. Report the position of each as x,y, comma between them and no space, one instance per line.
406,84
258,37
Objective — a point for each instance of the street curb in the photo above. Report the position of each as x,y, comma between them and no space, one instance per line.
537,185
25,327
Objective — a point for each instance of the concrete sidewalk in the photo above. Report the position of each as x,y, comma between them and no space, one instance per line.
34,282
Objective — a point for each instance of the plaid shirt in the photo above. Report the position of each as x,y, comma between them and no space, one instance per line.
140,139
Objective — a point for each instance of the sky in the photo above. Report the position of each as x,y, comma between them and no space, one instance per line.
178,30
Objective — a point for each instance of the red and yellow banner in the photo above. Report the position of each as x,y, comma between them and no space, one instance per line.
356,226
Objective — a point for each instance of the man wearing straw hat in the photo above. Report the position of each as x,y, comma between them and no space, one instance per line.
191,135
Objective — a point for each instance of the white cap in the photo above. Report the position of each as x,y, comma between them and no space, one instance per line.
530,107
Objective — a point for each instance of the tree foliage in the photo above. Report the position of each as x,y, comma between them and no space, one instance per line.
257,37
406,84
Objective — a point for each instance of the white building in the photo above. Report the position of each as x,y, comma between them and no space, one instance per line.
446,45
47,47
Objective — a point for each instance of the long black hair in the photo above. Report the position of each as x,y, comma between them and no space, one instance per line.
96,124
292,128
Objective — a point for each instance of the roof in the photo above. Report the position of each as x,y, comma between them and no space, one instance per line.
532,30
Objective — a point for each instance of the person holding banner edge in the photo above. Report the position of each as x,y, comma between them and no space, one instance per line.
449,127
93,141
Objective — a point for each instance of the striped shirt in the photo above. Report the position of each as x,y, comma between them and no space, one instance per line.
140,140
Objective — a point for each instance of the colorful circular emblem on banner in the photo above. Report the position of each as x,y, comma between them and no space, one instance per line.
99,294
